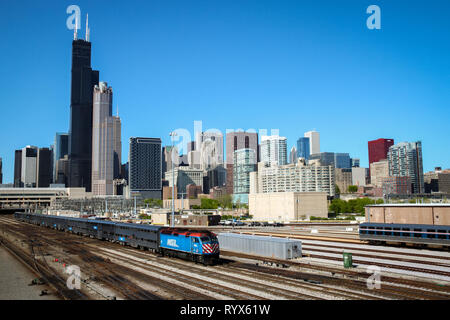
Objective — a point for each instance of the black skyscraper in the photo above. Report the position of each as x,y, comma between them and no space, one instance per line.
80,142
18,169
44,168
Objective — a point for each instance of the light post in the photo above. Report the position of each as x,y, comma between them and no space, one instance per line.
172,222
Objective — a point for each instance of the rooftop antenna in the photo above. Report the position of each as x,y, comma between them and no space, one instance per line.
87,27
117,110
75,31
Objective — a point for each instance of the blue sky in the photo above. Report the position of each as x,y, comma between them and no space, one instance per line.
288,65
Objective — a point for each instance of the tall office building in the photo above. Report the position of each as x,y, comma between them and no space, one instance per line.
293,155
60,149
18,168
106,143
314,141
210,146
29,167
303,148
405,160
273,150
44,168
80,142
145,167
337,160
244,162
235,141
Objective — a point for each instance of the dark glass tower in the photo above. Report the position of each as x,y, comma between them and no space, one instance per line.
80,142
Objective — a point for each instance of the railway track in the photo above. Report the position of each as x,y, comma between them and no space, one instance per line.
149,276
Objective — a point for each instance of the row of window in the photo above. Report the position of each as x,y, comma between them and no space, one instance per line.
407,232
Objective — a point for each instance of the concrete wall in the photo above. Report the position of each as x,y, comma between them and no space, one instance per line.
287,206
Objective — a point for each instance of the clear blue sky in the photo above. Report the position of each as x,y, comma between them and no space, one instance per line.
288,65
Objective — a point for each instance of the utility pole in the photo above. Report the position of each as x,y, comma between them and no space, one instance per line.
172,222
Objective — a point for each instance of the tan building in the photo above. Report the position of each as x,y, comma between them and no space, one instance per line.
378,171
427,213
287,206
181,204
343,179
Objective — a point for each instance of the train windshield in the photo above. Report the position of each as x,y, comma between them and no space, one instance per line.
205,239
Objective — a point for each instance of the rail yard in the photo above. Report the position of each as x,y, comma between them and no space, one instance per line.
113,271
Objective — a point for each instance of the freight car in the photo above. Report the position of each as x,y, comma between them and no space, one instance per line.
198,246
421,235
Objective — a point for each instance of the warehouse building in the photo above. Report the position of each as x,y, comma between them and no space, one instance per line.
287,206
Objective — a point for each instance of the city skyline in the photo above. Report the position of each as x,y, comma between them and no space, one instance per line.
264,105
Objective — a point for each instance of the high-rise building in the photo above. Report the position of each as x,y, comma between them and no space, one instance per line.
359,176
167,158
314,141
106,142
337,160
293,155
80,142
396,185
60,149
210,146
234,141
274,150
182,177
44,163
343,178
29,167
355,162
405,160
303,148
145,167
18,169
342,160
244,162
378,171
293,178
378,149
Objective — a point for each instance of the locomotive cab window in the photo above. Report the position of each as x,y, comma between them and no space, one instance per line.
195,240
204,239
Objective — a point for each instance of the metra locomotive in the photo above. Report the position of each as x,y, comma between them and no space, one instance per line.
195,245
415,234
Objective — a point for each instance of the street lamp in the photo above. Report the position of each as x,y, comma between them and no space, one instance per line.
172,222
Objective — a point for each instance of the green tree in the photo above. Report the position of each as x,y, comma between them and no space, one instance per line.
336,189
352,189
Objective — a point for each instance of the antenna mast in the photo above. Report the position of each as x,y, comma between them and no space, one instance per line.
87,28
75,31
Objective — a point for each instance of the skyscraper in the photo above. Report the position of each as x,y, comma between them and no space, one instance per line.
29,167
80,143
405,160
314,141
18,169
145,167
244,162
293,155
210,145
60,149
303,148
44,170
235,141
378,149
274,150
106,143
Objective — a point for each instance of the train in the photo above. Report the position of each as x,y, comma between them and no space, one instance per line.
200,246
419,235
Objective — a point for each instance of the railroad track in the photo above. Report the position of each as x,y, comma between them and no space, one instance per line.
236,280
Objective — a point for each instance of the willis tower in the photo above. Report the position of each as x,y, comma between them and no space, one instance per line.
81,105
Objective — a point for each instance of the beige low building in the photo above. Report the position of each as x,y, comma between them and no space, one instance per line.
287,206
181,204
427,213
